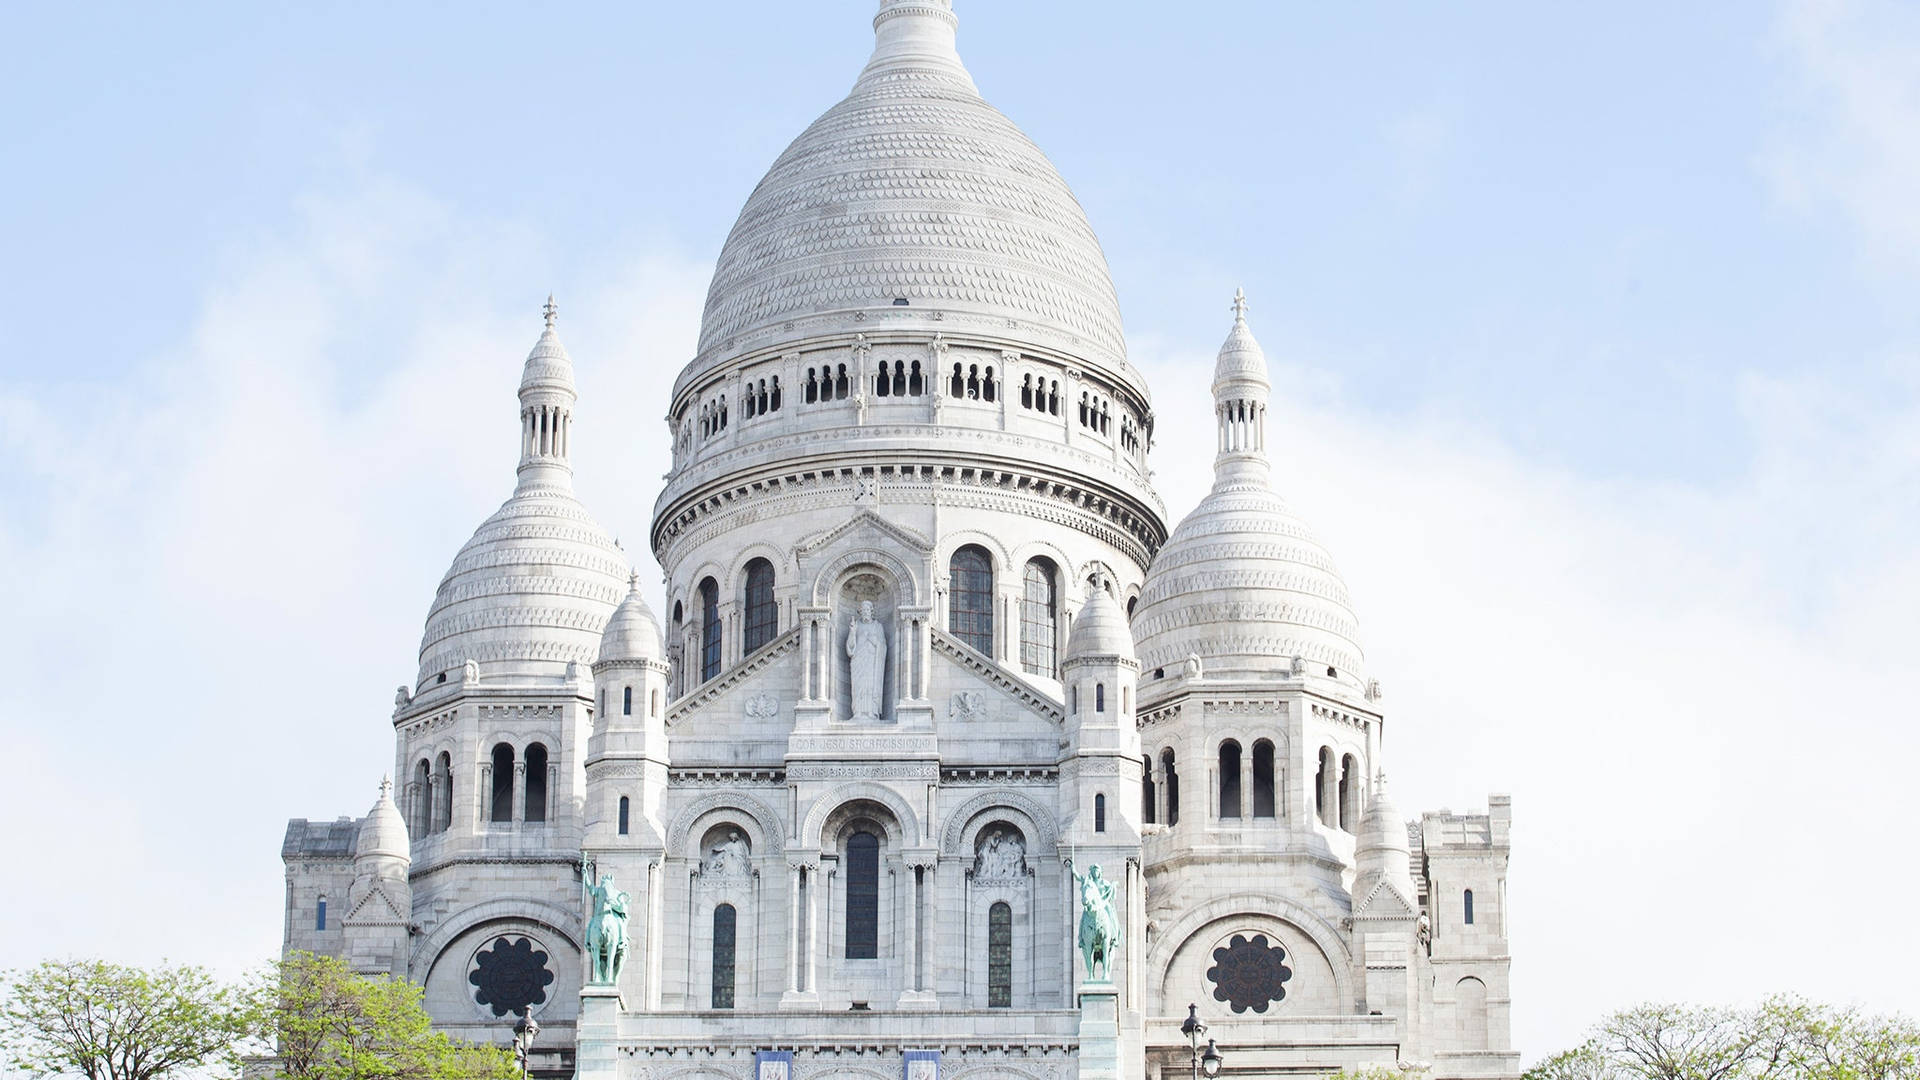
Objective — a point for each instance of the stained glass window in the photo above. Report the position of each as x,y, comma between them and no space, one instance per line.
1000,956
863,896
709,629
1039,618
762,616
970,598
724,918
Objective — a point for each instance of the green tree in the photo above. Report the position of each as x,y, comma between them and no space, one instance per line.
1783,1038
112,1022
331,1024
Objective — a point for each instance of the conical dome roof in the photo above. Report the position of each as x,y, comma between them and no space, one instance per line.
1100,629
632,633
383,833
912,189
1243,582
530,592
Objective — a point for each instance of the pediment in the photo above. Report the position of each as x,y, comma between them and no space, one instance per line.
970,687
1384,901
865,520
375,909
761,688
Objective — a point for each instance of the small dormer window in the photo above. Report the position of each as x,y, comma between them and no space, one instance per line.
900,301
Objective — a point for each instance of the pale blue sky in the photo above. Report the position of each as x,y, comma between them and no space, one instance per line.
1594,331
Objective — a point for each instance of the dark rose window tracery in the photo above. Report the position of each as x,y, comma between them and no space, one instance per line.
1249,973
510,975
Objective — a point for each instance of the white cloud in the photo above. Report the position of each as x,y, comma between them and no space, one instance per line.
1854,140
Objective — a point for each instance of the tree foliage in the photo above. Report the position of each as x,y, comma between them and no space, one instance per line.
1783,1038
112,1022
331,1024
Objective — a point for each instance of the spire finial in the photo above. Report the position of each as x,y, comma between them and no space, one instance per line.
633,580
1239,305
386,786
550,310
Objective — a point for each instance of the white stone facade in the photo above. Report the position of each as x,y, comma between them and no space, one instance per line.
929,650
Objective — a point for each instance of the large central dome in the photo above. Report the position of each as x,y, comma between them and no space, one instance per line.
912,189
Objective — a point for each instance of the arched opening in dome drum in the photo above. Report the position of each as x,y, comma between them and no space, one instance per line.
709,629
1350,793
970,597
421,806
1170,779
536,783
1263,780
1040,618
1229,779
500,807
1147,816
1323,794
762,615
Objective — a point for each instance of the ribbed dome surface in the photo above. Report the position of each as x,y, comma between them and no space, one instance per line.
383,832
529,593
1244,584
912,188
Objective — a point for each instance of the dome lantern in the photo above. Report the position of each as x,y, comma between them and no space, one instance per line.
1240,391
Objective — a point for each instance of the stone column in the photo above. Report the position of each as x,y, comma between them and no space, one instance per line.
1246,783
519,791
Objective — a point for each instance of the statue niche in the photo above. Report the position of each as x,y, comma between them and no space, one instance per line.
864,622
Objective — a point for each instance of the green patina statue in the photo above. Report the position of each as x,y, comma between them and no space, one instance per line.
606,929
1099,926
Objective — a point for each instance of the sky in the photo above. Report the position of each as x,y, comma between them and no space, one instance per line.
1596,358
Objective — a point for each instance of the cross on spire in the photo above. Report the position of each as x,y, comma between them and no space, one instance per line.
550,310
1239,305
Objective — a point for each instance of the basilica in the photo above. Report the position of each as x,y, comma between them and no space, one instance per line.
932,685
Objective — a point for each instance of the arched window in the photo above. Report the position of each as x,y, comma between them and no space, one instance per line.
536,783
625,807
1322,788
1099,813
1229,779
1000,956
709,629
1039,618
724,918
1350,793
1466,900
1099,697
863,896
626,701
422,799
1470,1010
443,797
1263,780
1146,790
320,913
970,598
1171,780
502,802
762,616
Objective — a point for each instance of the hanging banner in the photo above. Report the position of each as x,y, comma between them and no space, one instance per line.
922,1065
773,1065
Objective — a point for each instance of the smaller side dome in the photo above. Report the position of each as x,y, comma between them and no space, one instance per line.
1100,630
382,846
1382,849
1241,357
632,632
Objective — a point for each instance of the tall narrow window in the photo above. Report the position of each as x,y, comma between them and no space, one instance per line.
1467,900
1099,813
1000,956
724,918
709,629
1229,779
1039,618
970,598
502,802
536,783
1263,781
320,914
863,896
762,616
626,701
1146,790
1171,780
625,810
1099,697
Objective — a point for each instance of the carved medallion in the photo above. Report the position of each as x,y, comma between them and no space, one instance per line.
1249,973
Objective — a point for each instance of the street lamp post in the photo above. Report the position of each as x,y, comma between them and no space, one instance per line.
524,1032
1205,1062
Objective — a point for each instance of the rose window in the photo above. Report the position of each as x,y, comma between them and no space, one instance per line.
510,975
1249,973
